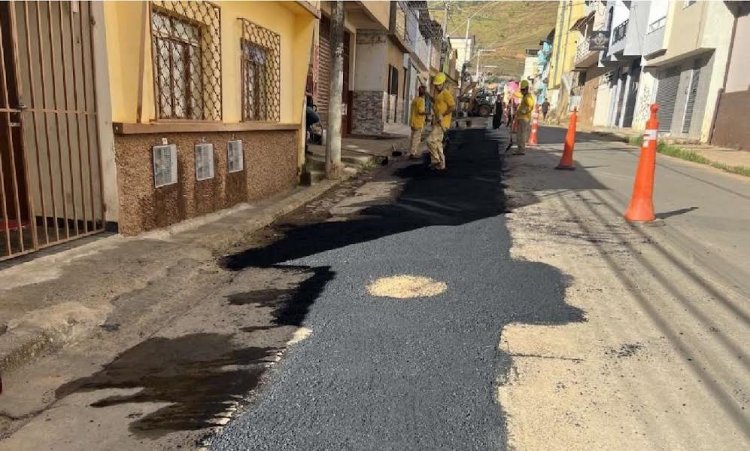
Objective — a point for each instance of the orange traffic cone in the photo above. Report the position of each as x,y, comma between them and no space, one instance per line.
534,127
566,162
641,208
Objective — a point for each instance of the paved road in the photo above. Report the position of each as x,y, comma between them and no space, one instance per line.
706,211
661,361
383,373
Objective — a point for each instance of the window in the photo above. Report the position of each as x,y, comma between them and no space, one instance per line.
393,85
235,158
187,60
204,161
261,73
165,165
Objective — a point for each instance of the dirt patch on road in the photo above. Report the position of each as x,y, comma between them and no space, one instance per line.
406,287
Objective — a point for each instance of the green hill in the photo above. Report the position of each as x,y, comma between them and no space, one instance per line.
509,27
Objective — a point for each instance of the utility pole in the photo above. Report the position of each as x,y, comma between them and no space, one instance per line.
445,19
333,141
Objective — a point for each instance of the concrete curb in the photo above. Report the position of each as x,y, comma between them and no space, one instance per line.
218,233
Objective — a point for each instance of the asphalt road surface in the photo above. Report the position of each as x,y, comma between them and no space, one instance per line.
386,373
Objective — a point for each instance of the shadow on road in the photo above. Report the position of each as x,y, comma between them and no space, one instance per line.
681,211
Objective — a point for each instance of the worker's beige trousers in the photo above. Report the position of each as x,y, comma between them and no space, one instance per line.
524,128
435,144
416,139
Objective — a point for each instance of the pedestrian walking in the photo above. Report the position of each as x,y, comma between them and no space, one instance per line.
523,117
416,122
442,110
545,109
497,119
513,101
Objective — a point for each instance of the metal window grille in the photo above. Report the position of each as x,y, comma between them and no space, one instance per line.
235,158
204,161
620,32
186,40
165,165
261,73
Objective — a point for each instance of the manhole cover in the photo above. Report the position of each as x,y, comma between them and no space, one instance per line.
405,287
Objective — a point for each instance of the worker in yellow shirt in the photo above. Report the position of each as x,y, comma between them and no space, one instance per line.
523,116
416,122
442,110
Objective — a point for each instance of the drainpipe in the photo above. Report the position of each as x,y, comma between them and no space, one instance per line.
736,15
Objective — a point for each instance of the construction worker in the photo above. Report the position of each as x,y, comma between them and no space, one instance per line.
523,116
442,110
416,122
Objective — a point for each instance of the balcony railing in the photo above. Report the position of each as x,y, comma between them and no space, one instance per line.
435,57
582,50
657,24
619,32
399,21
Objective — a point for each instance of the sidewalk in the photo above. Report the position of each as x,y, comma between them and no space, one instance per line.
356,153
721,157
62,297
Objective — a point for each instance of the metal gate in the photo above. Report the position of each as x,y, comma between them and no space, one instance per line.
50,167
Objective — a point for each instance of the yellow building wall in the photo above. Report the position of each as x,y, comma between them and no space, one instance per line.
380,10
125,20
563,54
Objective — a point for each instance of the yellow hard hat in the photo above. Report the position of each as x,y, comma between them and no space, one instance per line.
524,84
439,79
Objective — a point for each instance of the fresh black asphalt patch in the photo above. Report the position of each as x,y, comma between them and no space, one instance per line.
381,374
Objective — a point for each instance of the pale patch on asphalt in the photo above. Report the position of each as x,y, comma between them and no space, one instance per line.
406,287
300,334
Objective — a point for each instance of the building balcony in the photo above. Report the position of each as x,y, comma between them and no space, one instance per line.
654,42
620,31
398,28
434,58
421,52
618,39
585,57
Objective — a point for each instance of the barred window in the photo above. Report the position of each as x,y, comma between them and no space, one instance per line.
187,60
261,74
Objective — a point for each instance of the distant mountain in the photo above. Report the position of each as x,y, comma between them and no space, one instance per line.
508,27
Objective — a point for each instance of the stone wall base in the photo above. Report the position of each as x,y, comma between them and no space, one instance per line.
270,167
367,115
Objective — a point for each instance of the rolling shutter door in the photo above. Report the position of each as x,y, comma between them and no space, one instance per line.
666,97
324,71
